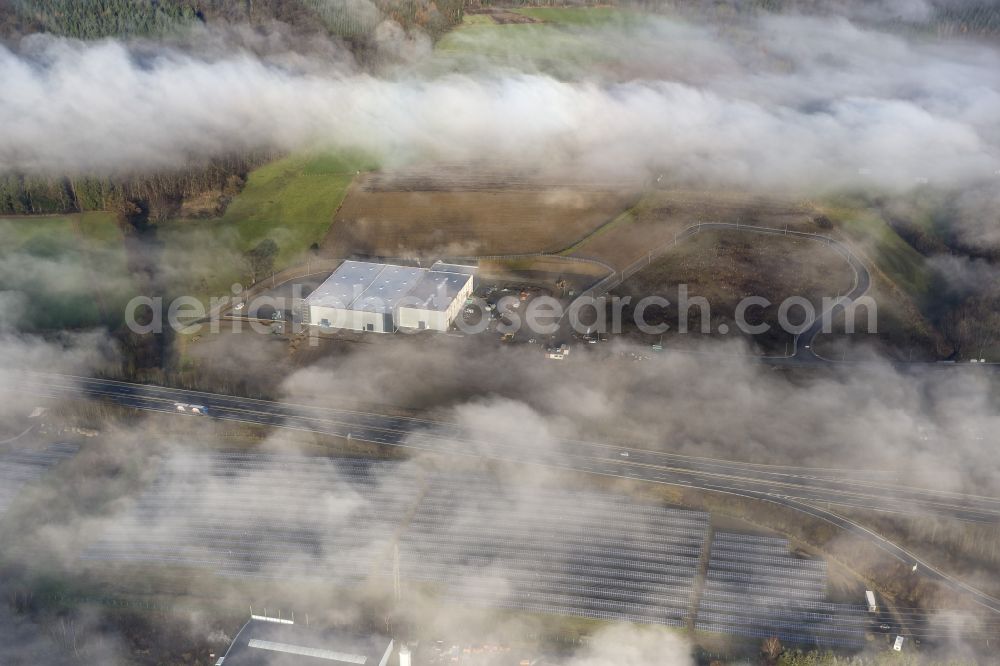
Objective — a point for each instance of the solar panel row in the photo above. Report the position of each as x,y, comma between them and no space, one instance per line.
850,615
581,515
743,577
755,587
529,567
623,616
666,541
782,561
765,569
760,549
450,491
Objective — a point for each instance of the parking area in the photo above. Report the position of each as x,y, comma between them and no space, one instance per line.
266,305
504,305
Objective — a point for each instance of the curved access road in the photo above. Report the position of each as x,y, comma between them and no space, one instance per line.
802,344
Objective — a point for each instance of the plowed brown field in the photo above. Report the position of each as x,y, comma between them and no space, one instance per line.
420,217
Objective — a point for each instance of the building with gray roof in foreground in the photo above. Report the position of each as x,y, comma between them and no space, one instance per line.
267,642
381,298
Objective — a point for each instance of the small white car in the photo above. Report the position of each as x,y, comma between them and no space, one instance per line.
624,454
181,407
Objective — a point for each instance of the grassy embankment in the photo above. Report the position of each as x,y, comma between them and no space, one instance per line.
902,286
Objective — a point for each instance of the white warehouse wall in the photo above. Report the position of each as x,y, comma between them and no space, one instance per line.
352,320
408,316
435,320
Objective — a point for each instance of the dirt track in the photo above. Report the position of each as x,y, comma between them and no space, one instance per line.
664,213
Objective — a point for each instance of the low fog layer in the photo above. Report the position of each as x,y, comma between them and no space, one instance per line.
787,103
930,425
871,416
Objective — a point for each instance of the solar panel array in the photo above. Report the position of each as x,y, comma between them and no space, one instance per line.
545,550
266,516
555,551
21,467
756,588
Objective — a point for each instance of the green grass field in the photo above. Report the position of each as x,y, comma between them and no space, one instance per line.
16,231
70,270
565,43
291,201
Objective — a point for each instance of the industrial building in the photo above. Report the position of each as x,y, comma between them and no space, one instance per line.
267,641
382,298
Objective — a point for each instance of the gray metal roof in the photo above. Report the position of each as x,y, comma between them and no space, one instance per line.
346,284
263,643
436,290
385,292
361,285
301,650
453,268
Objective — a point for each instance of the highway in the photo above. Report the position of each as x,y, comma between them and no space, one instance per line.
808,490
858,489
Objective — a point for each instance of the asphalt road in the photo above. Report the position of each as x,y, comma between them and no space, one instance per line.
811,491
858,489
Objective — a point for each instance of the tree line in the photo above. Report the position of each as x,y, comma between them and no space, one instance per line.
160,194
97,19
947,17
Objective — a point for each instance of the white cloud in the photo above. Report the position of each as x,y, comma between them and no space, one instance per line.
790,103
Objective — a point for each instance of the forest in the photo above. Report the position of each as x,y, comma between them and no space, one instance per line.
160,194
96,19
355,22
